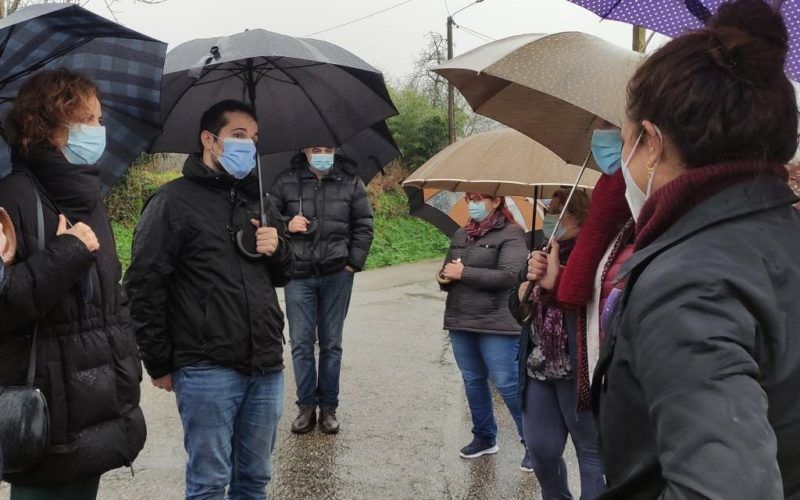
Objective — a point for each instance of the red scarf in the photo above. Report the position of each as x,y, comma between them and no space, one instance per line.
667,205
608,213
477,230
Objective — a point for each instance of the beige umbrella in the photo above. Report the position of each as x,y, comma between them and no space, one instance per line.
499,163
553,88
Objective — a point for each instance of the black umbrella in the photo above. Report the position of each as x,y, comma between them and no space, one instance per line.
126,66
371,150
305,92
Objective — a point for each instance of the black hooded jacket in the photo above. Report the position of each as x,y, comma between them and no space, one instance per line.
194,296
337,206
88,366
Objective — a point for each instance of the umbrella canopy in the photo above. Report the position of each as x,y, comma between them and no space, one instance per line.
552,88
306,92
447,210
371,149
125,65
673,17
500,163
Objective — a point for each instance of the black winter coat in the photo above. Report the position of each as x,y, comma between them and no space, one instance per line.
87,363
194,296
337,205
479,301
698,381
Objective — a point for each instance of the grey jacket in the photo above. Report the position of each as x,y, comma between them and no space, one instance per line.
698,382
479,301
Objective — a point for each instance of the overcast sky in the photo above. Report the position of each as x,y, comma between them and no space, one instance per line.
388,41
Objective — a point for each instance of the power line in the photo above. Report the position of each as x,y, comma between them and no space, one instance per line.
360,18
475,33
447,7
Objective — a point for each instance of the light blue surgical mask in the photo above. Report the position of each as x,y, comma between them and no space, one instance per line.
549,227
238,156
607,149
85,144
321,162
477,210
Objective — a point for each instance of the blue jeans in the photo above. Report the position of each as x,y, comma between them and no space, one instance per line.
229,425
480,357
318,305
549,416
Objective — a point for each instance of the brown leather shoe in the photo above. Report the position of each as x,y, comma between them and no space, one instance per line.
327,421
305,421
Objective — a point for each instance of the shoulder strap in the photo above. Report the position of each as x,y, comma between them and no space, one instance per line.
40,244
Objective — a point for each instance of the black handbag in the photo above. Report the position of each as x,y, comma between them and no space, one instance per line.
24,419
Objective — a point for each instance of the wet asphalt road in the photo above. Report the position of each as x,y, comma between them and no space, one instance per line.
403,413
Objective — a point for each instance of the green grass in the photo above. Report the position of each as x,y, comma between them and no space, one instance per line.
124,237
399,238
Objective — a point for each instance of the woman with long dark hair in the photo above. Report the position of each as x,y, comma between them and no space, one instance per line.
697,386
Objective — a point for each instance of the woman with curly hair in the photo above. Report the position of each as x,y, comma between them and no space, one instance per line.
65,284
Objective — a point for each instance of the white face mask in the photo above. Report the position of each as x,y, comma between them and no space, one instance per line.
633,193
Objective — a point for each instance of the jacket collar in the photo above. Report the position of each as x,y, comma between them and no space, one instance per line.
758,195
195,170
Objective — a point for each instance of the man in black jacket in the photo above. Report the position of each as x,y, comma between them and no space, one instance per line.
206,312
330,220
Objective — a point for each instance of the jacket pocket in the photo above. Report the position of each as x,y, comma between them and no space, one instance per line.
205,306
57,403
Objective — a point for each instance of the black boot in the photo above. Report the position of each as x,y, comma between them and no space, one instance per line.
305,421
327,421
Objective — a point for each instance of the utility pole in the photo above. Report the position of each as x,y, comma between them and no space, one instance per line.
451,104
639,38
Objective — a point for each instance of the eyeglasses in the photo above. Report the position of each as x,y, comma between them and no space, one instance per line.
473,197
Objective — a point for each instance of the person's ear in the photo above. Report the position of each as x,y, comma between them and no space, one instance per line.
207,139
496,203
653,141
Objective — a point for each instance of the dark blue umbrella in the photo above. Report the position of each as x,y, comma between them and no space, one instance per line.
673,17
125,65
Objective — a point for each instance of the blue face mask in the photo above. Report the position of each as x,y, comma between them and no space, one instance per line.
85,144
607,150
549,227
321,162
477,210
238,156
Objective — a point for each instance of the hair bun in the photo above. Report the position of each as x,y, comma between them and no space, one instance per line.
752,39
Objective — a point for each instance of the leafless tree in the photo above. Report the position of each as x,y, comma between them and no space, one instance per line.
10,6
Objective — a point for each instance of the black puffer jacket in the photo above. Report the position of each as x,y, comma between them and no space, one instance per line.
337,205
698,382
88,367
479,301
194,296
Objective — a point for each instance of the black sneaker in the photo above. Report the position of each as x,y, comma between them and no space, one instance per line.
527,463
479,447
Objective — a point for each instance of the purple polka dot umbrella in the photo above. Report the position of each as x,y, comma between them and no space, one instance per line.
674,17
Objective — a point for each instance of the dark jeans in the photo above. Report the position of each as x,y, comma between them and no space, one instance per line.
229,427
318,306
549,415
480,357
82,490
